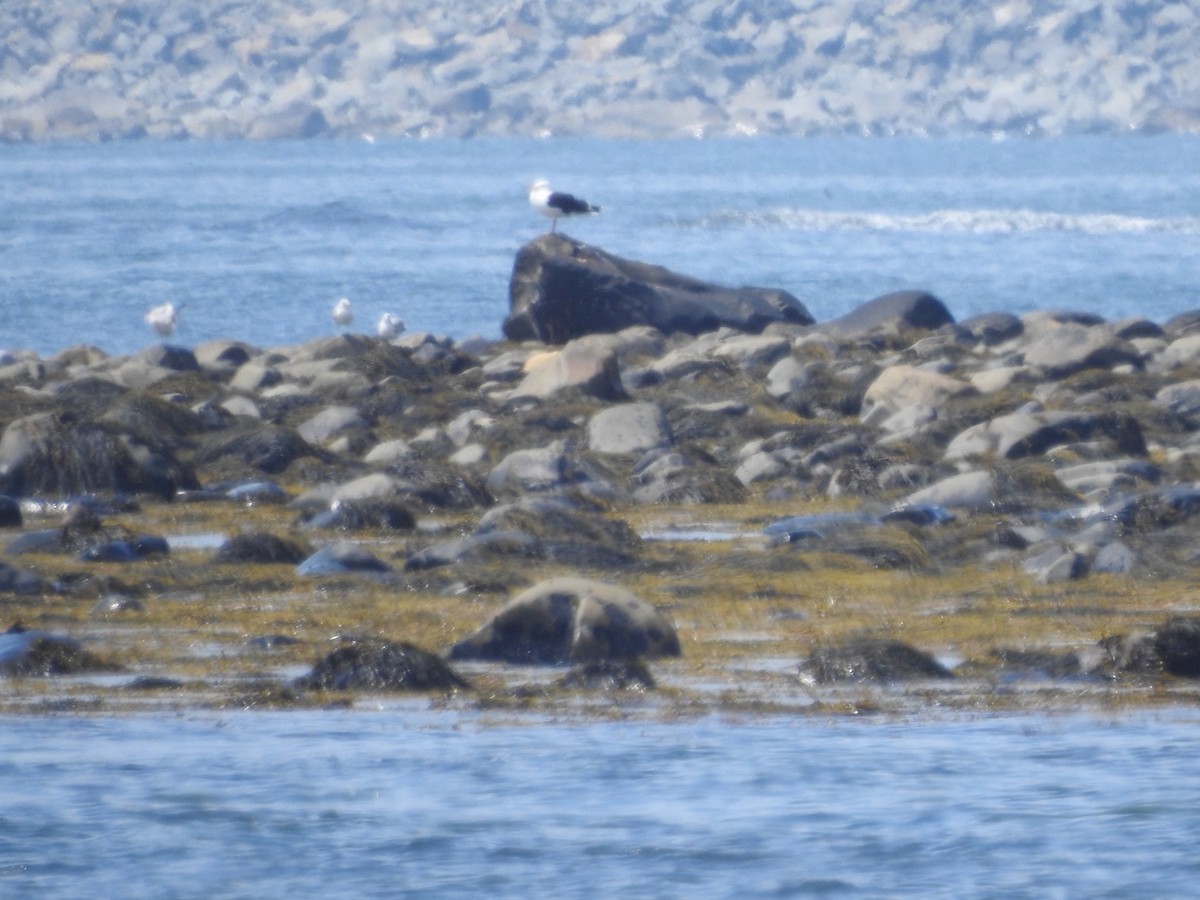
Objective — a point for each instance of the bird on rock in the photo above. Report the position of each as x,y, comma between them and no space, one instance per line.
343,315
389,326
556,204
163,319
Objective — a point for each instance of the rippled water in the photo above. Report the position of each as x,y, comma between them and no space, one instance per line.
412,802
257,240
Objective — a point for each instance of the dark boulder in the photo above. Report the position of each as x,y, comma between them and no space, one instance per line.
870,660
30,652
371,512
265,448
260,547
61,455
918,310
561,289
10,512
1172,649
571,620
372,664
19,581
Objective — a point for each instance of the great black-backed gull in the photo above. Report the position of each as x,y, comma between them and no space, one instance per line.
556,205
162,319
343,315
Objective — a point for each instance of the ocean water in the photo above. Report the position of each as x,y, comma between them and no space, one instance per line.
427,803
256,241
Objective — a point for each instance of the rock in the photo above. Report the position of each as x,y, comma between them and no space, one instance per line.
868,660
902,386
918,310
1020,434
968,490
371,664
1172,649
580,364
30,652
266,448
260,547
565,533
670,477
58,456
568,620
339,559
331,421
358,514
562,289
629,428
10,512
1063,350
19,581
613,675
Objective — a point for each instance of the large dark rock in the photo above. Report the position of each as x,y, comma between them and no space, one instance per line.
31,652
260,547
1173,649
561,289
901,309
377,665
59,455
566,620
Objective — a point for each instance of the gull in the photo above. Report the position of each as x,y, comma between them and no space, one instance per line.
162,319
343,315
389,326
556,205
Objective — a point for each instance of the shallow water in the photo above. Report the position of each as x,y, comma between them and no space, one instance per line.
414,801
257,240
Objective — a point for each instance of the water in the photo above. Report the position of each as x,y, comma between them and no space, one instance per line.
432,803
257,240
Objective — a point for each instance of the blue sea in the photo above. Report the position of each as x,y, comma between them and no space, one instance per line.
435,803
256,241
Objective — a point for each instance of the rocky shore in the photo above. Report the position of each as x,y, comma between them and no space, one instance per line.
695,498
270,69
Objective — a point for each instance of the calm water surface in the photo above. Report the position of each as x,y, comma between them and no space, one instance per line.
412,802
257,240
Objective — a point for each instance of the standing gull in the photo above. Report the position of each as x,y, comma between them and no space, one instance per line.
162,319
556,205
389,326
342,314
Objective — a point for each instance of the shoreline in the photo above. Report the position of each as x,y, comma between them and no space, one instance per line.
1012,498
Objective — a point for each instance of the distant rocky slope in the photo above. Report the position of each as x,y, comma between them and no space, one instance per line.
275,69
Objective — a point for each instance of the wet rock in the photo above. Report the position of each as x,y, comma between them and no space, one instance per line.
614,675
10,513
1173,649
387,513
1031,433
567,620
692,478
1064,349
899,310
58,455
870,660
566,533
339,559
263,447
371,664
31,652
20,581
259,547
562,289
132,550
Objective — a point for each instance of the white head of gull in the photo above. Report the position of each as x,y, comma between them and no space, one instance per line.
556,204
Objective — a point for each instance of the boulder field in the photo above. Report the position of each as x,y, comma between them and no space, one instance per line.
647,470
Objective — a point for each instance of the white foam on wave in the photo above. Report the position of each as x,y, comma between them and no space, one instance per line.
950,221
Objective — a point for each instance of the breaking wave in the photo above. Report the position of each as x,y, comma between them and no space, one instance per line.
960,221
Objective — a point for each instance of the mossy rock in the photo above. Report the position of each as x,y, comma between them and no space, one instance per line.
372,664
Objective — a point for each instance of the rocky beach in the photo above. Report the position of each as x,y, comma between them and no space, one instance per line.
656,496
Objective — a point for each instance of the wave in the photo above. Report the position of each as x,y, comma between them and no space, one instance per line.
946,221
